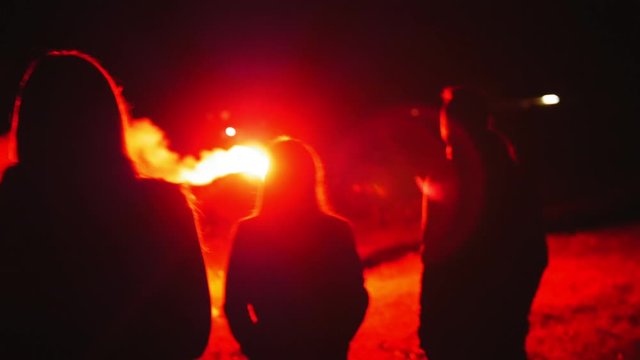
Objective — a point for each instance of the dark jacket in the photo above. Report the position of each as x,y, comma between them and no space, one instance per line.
302,279
109,268
484,254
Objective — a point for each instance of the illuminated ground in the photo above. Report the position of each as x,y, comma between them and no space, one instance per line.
588,306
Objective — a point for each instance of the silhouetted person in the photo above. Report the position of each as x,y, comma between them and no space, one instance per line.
294,284
484,243
94,263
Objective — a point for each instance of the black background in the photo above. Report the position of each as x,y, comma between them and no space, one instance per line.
317,70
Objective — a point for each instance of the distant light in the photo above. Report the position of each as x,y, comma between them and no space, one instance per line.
415,112
230,131
550,99
225,114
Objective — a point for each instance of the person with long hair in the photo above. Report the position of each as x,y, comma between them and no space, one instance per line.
294,285
94,262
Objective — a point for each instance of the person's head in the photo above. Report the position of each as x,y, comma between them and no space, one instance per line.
68,119
464,112
295,179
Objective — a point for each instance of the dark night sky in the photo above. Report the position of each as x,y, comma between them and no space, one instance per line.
305,64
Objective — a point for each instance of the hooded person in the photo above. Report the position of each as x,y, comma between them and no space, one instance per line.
294,285
95,263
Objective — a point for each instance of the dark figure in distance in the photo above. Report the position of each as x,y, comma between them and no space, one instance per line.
94,263
484,243
294,283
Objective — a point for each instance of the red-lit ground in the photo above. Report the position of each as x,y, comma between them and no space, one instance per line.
588,306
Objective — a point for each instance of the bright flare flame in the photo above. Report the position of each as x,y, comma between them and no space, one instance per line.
550,99
148,148
218,163
230,131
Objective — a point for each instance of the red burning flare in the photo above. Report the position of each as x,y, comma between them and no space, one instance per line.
147,145
149,149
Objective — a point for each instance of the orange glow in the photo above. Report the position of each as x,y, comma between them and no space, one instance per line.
149,150
230,131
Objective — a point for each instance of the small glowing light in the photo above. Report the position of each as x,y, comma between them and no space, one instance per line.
447,95
230,131
550,99
415,112
225,114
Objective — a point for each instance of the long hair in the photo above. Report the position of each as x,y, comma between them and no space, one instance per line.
295,181
69,111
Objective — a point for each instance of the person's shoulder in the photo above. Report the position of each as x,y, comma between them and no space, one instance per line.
9,176
160,189
16,182
249,221
14,174
160,197
157,185
248,224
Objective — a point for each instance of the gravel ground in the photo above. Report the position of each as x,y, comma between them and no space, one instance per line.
588,305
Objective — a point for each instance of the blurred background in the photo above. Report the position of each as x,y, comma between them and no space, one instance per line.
361,82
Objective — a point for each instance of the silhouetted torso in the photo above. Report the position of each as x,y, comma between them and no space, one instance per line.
94,263
481,271
104,275
303,278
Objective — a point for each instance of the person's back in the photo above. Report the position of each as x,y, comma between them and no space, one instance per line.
298,270
95,263
476,296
